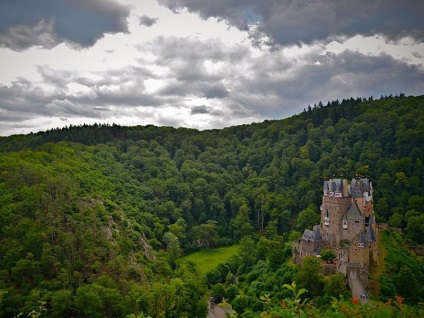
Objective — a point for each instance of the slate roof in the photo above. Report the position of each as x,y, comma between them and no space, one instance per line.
361,237
354,213
326,186
337,185
358,187
370,235
313,236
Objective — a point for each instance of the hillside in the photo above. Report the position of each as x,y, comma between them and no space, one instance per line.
106,211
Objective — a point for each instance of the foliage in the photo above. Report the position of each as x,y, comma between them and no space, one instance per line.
310,276
327,256
403,273
294,306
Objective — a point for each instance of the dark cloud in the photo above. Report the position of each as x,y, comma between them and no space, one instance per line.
272,85
147,21
200,110
336,76
46,23
205,89
417,55
295,22
101,109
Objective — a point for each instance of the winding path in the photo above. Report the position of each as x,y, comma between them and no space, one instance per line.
356,287
216,312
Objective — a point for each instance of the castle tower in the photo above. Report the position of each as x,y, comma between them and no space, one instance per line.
335,203
346,209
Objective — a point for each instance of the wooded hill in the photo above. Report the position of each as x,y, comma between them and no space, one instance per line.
106,211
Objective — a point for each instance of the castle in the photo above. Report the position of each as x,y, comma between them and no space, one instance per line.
347,226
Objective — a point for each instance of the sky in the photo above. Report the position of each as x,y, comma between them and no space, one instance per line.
199,64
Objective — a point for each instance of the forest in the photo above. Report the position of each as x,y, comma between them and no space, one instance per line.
94,219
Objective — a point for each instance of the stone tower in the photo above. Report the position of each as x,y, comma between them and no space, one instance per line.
346,209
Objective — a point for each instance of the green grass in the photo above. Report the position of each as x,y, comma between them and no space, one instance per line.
207,260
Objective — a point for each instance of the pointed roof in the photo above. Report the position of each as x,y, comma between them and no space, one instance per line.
314,235
337,185
354,213
358,187
326,186
370,235
365,185
355,189
361,237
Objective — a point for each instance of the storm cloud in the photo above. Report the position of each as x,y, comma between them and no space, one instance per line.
147,21
80,23
288,22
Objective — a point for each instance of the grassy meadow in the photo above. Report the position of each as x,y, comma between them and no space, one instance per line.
207,260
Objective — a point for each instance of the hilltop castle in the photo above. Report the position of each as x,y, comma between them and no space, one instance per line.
347,225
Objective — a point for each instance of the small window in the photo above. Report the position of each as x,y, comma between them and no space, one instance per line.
356,221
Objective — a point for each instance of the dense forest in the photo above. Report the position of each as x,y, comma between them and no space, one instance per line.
94,219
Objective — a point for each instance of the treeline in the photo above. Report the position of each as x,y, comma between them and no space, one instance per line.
77,200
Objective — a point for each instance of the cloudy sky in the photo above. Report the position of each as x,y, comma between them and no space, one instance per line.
200,64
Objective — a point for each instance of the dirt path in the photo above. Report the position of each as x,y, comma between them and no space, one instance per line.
217,312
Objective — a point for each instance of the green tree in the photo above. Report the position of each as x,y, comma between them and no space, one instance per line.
206,234
415,226
62,303
310,276
247,253
218,292
307,218
173,248
327,256
335,286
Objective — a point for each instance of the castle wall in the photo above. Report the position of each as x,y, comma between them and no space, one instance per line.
353,228
311,248
359,254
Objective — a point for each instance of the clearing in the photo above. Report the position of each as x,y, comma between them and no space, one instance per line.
207,260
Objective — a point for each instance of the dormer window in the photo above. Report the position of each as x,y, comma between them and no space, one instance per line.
344,224
327,218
